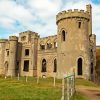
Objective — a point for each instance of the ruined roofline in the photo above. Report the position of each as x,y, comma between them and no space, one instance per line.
13,38
3,40
51,36
28,32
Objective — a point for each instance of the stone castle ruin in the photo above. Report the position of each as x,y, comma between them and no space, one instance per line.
73,48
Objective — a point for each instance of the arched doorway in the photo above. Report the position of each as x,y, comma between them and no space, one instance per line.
55,65
43,65
79,66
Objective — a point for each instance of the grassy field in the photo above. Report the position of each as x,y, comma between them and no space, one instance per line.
12,89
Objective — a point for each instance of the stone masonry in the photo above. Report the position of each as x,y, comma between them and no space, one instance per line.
72,49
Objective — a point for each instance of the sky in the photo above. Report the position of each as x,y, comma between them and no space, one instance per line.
40,16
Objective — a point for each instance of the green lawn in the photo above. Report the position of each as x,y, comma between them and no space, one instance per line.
83,82
12,89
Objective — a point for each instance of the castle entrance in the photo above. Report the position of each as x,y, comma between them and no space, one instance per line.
79,66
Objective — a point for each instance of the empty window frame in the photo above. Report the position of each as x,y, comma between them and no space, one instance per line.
43,65
79,24
26,52
26,65
42,46
49,45
7,53
55,44
55,65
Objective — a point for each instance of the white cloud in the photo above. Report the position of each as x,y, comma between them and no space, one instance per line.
40,15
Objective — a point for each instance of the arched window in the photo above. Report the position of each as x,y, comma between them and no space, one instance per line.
6,67
79,66
55,65
43,65
79,24
63,35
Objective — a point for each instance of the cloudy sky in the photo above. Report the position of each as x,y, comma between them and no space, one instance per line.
40,15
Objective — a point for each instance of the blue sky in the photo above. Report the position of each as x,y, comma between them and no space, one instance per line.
40,15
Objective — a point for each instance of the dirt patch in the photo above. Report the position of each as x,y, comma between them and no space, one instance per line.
91,93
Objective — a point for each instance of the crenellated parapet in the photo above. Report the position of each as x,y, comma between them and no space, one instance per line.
3,40
72,14
28,32
13,38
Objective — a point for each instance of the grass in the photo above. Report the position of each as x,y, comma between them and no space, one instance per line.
12,89
79,96
83,82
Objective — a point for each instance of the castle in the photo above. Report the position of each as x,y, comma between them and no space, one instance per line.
73,48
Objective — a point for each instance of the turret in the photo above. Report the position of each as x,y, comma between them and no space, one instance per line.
89,10
13,42
2,54
73,37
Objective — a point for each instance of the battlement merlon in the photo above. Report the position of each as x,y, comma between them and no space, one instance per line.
74,14
13,38
89,8
3,40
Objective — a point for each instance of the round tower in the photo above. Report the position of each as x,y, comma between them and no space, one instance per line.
13,42
2,54
73,42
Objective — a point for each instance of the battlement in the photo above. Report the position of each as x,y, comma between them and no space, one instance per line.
3,40
27,32
72,14
13,38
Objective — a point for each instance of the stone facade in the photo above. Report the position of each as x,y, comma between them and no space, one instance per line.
72,49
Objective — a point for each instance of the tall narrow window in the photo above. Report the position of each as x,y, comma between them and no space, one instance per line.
63,35
7,53
79,24
43,65
91,68
26,65
79,66
26,52
55,65
55,44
